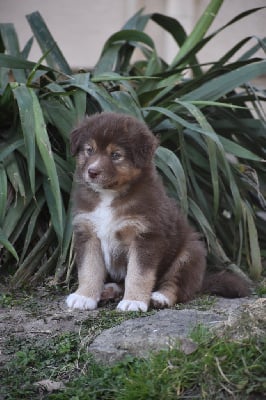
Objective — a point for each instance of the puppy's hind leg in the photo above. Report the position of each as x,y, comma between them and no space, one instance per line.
167,290
112,291
184,278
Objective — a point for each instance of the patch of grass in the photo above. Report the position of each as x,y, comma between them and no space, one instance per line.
107,318
6,300
29,301
261,289
56,358
202,303
218,369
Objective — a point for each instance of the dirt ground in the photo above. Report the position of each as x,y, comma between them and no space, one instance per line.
42,314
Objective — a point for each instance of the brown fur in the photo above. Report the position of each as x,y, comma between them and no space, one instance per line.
147,244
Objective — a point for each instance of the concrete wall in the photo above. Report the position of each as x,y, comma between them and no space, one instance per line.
81,27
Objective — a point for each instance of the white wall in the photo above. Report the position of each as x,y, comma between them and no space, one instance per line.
81,27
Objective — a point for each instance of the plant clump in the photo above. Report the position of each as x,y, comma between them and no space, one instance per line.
211,127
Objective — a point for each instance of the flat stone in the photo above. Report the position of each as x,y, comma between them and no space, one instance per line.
162,330
140,336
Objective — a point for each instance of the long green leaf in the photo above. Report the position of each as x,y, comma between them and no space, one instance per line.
10,39
66,244
79,97
172,26
201,43
113,45
103,98
199,30
3,193
16,212
24,101
54,56
8,61
37,127
165,159
218,87
181,121
137,21
210,236
59,115
238,150
9,148
212,148
34,258
32,226
129,35
50,199
255,255
5,242
15,174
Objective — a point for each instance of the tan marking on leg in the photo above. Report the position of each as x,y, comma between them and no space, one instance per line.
138,285
91,271
91,275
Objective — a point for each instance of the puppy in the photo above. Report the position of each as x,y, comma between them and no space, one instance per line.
129,236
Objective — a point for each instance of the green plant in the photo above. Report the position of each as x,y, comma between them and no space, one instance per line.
211,125
218,369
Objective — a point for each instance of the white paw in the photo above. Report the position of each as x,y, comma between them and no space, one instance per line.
132,305
75,300
159,299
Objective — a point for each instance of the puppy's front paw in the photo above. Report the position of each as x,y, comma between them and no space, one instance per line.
132,305
159,300
80,302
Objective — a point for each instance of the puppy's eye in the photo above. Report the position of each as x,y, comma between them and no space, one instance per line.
89,150
116,155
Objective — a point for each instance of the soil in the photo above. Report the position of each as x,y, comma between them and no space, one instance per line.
42,314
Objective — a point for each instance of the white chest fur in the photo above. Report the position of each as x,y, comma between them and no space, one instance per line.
104,222
102,217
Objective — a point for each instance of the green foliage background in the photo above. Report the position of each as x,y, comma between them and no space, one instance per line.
211,126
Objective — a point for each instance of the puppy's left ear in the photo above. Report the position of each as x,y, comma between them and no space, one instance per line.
75,141
144,149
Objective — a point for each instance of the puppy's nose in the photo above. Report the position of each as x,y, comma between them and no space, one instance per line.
93,172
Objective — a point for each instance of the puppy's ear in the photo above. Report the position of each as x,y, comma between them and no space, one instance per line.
75,141
78,135
144,149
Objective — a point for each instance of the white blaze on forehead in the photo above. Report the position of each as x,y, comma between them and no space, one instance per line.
95,164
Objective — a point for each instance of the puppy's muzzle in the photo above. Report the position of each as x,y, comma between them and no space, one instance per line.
93,172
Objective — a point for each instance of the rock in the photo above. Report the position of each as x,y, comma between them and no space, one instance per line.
248,321
140,336
46,385
164,329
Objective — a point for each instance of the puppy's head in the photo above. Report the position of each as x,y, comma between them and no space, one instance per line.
112,150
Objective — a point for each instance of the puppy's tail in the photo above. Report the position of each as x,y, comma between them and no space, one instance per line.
226,284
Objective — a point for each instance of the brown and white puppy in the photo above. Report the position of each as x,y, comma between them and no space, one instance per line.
127,231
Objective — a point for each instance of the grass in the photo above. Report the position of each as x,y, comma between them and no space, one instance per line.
218,369
202,303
